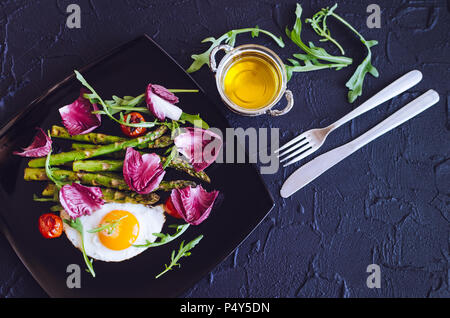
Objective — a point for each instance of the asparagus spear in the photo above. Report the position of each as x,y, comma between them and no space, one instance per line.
107,180
162,142
61,158
93,138
97,165
117,165
111,195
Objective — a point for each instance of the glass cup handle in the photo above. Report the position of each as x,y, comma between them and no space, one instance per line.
212,55
290,103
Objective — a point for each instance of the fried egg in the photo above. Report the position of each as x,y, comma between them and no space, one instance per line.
111,232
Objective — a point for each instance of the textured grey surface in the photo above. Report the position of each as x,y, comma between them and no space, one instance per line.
387,204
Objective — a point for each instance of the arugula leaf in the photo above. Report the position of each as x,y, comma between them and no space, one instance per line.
76,225
129,104
96,99
109,227
355,83
319,24
195,120
184,251
312,52
170,157
230,39
166,238
175,130
49,172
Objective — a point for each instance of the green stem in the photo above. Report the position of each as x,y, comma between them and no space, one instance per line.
348,26
183,90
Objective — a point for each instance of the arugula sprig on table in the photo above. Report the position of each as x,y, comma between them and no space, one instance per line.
59,182
315,56
229,38
183,251
355,84
319,24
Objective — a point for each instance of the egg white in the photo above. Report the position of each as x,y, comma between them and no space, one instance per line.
151,220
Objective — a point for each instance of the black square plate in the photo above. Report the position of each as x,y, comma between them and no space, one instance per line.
125,71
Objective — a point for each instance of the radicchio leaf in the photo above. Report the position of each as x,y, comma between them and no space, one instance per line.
193,204
78,118
160,102
200,146
40,147
142,173
78,200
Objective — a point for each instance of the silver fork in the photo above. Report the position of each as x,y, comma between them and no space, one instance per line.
311,140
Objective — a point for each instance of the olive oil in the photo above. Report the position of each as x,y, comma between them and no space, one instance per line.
252,81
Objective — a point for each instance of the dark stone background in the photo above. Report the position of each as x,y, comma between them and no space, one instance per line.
387,204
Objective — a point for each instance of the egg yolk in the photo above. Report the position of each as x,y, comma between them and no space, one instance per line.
121,230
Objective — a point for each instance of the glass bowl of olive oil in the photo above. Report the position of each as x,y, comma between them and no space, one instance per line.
251,80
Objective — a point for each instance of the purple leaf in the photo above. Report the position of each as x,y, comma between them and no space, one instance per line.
142,173
78,118
200,146
40,147
78,200
160,102
193,204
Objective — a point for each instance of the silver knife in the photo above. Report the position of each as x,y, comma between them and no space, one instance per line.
311,170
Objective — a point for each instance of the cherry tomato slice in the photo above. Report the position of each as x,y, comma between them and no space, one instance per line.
135,118
170,209
50,225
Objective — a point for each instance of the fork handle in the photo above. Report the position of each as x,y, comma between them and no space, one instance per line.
397,87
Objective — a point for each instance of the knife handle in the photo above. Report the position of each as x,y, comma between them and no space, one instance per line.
397,87
407,112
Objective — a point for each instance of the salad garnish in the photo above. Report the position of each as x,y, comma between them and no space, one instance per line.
78,200
142,173
78,117
193,204
166,238
201,147
160,102
76,225
40,147
314,57
183,251
128,103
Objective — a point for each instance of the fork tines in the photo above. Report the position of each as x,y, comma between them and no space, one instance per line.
302,146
